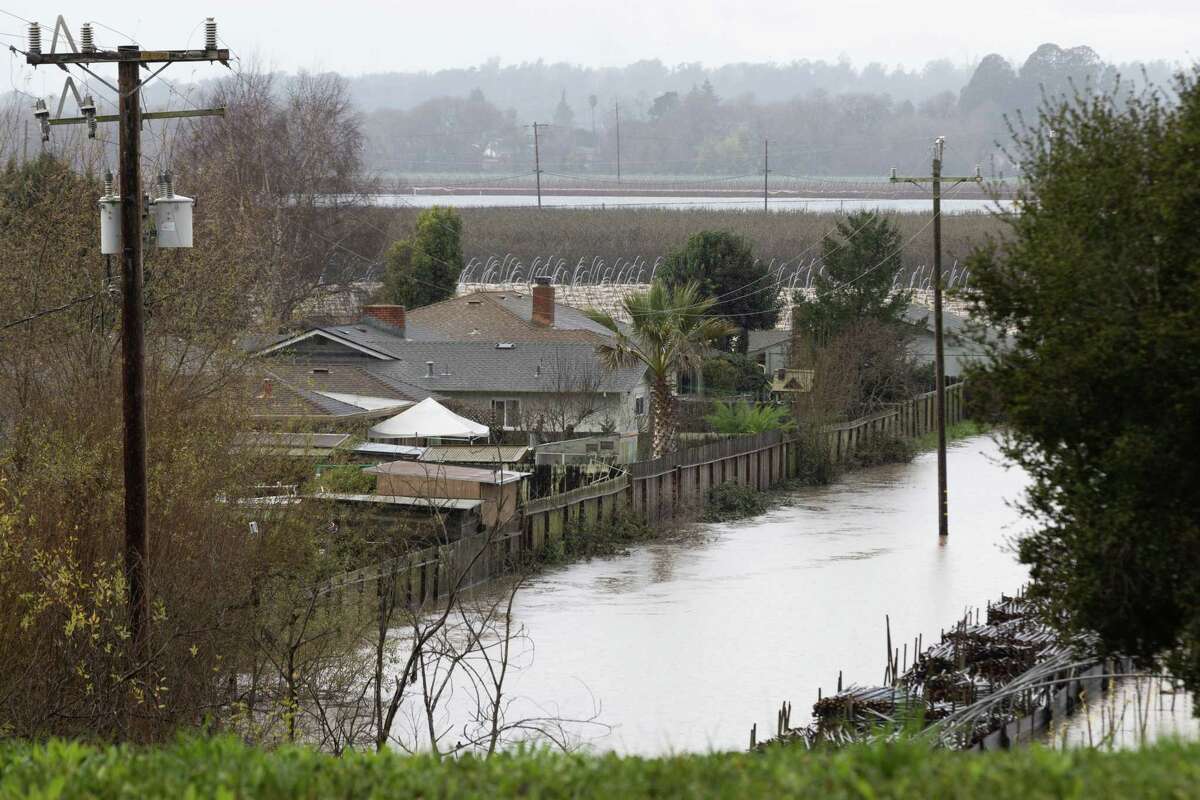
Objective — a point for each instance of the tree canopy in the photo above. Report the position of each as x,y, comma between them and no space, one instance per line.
424,267
856,282
1098,285
723,267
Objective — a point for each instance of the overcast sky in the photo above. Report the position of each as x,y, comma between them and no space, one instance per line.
356,36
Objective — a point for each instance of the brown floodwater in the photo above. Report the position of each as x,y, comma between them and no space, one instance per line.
683,645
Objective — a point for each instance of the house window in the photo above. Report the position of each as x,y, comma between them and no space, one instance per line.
639,405
507,413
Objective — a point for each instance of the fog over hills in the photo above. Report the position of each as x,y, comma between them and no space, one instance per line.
822,118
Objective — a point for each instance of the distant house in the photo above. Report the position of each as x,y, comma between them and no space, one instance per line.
960,347
520,362
771,349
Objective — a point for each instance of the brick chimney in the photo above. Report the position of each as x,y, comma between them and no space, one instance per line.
389,315
543,302
267,386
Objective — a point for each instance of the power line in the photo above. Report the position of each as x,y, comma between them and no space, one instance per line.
48,311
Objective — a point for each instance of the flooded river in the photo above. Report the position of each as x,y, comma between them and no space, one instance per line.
683,645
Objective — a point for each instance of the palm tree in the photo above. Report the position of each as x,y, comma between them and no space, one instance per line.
670,331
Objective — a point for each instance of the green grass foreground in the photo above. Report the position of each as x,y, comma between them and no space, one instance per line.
224,767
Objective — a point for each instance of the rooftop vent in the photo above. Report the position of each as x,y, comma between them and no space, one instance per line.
505,346
320,371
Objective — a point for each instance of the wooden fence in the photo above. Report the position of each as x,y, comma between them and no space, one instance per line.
908,420
655,489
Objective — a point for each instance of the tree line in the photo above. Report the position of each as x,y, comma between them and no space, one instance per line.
821,119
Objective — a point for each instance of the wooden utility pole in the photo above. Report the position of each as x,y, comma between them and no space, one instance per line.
766,171
537,161
617,108
133,377
935,180
130,59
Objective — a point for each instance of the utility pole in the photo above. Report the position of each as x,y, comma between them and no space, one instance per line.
935,180
766,171
130,59
617,108
537,161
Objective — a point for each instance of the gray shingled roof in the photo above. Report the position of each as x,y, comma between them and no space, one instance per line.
761,340
482,366
922,317
565,317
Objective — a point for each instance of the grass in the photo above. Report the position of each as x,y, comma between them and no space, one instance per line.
959,430
223,767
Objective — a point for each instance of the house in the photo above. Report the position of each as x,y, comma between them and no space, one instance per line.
771,349
520,362
959,345
339,397
495,490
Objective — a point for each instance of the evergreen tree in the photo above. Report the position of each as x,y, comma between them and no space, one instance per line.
1097,284
723,267
857,279
424,267
564,117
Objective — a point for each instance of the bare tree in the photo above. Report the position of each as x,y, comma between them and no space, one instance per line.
569,393
282,172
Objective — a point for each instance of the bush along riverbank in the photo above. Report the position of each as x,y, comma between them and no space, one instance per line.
224,767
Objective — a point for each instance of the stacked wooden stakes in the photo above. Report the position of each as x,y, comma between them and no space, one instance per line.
989,681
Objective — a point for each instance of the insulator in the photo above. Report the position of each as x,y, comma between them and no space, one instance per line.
88,109
108,183
164,185
35,38
210,34
42,114
87,41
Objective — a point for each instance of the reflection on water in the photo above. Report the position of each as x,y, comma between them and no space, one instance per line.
1136,712
685,644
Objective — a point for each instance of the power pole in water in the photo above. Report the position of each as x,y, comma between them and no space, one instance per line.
537,161
939,359
617,109
766,172
129,59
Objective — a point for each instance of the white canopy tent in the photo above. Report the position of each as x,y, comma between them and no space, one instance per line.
429,419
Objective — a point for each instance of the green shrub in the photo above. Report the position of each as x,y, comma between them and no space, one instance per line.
586,538
224,767
733,373
343,479
730,501
743,418
814,462
878,450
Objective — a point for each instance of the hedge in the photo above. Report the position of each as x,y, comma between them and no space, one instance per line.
223,767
